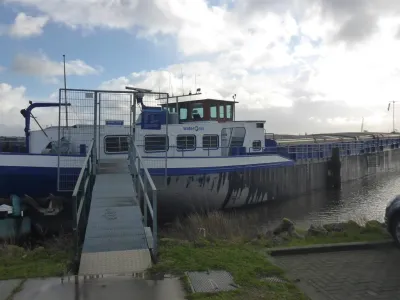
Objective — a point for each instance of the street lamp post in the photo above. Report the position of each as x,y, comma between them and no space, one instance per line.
393,102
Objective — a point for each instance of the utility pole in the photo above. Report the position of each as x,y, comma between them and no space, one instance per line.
362,124
392,110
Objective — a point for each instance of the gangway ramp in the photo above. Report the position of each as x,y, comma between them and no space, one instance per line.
115,240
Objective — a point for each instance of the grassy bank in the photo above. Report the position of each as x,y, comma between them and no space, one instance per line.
219,226
345,232
238,245
49,259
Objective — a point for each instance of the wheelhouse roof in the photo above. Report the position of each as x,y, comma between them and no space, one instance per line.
172,101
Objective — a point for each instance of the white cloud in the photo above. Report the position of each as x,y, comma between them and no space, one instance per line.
12,100
40,65
312,65
200,28
26,26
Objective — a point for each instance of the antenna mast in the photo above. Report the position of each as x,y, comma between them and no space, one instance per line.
65,94
159,83
170,86
182,80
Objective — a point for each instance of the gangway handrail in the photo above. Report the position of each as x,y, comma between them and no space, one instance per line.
137,168
81,193
146,171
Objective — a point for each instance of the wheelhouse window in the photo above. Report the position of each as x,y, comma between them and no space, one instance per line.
213,112
221,111
116,144
256,145
155,143
186,142
183,113
210,141
197,112
229,111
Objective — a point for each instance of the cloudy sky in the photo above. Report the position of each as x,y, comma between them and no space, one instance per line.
302,65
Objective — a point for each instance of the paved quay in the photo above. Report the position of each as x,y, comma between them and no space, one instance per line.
118,287
358,274
371,274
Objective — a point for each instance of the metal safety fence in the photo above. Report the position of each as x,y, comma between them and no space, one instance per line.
85,115
76,129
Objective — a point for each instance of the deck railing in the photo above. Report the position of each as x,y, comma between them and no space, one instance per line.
294,152
319,151
143,185
81,197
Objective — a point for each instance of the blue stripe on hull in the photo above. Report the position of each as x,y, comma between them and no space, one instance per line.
36,182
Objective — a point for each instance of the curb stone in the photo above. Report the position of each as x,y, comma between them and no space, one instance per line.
322,248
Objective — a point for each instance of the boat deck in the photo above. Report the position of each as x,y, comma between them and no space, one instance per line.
115,240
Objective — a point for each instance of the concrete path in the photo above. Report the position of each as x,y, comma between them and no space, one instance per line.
7,287
361,274
121,288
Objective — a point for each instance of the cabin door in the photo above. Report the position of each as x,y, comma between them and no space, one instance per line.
232,138
226,135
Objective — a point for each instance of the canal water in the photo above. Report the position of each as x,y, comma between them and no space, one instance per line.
361,200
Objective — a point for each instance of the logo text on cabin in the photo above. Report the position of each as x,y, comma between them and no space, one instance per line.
193,128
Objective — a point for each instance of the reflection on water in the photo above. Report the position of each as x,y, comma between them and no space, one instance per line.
361,199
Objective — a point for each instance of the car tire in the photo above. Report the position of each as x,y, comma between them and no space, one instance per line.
395,229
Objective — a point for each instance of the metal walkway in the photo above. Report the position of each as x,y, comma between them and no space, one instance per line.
115,240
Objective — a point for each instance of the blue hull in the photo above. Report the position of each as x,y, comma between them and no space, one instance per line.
34,181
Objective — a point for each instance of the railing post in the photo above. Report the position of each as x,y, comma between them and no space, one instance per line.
93,157
155,229
85,192
144,200
138,187
133,150
75,220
